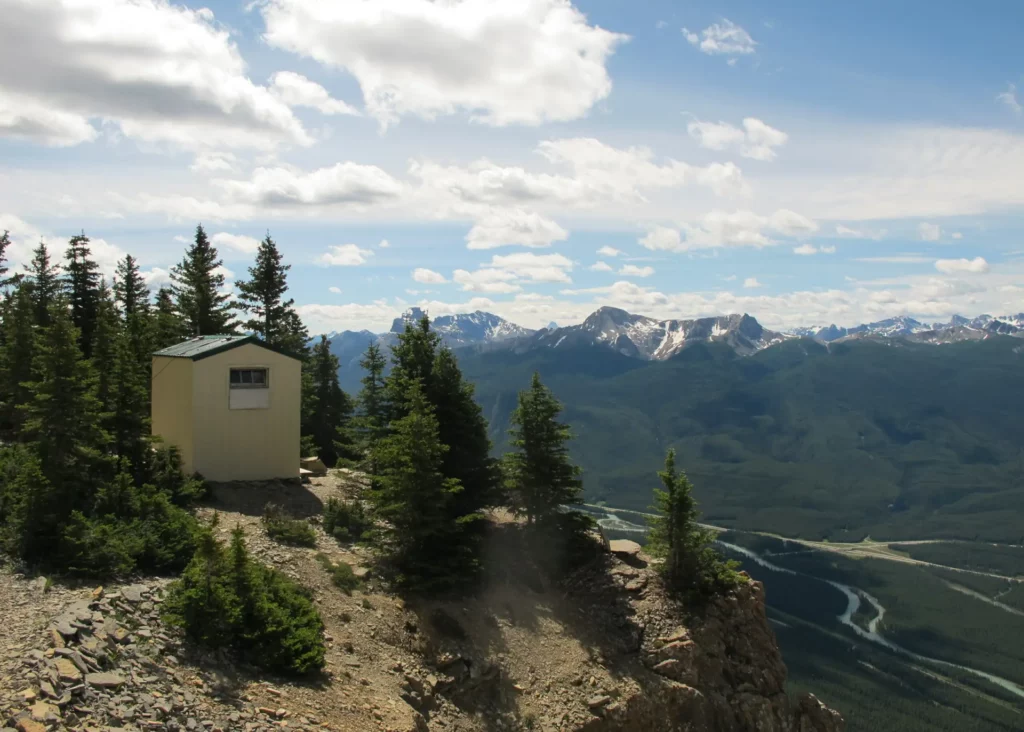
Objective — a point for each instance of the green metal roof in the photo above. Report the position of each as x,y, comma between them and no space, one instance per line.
204,346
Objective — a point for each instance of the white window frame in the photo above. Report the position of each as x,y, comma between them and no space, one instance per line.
240,385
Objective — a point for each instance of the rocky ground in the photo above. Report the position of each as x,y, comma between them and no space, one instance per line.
604,651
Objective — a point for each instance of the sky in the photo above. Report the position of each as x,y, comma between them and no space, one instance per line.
804,162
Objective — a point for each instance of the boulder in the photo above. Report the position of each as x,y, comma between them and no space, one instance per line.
314,465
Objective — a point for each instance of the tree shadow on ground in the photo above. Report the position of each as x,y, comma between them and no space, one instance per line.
250,497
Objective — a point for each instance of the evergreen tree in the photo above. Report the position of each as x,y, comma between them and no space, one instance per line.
540,475
63,424
462,427
46,284
104,344
128,420
412,360
328,421
690,563
420,540
5,242
130,289
16,357
168,325
263,296
83,285
372,420
197,286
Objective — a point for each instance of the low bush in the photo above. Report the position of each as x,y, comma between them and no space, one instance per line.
341,574
225,599
346,521
287,530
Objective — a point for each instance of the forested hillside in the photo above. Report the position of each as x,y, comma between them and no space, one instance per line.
892,439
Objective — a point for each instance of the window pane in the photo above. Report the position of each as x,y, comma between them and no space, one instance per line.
236,376
259,376
246,377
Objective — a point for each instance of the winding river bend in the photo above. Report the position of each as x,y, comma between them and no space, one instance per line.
854,596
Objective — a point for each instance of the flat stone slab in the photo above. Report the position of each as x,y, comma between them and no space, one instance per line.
105,680
67,671
624,547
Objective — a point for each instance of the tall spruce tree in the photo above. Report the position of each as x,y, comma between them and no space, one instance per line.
5,242
371,424
462,427
128,421
83,284
105,332
412,360
421,542
540,475
46,284
16,357
328,423
197,285
130,291
690,562
168,325
263,296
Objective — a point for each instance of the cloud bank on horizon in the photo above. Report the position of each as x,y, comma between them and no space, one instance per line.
535,159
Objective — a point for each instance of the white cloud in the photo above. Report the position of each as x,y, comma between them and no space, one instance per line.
214,162
956,235
534,267
384,244
428,276
722,38
632,270
334,290
156,277
344,255
296,90
505,63
723,228
601,267
962,266
182,239
490,280
343,184
751,283
607,251
1009,98
929,232
159,72
756,140
850,233
810,249
237,242
505,227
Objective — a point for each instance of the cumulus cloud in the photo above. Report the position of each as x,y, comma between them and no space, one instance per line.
851,233
296,90
751,283
505,63
1009,98
156,277
428,276
756,140
490,280
343,184
722,38
384,244
334,290
601,267
214,162
978,265
607,251
534,267
160,72
929,232
344,255
632,270
505,227
236,242
723,228
810,249
956,235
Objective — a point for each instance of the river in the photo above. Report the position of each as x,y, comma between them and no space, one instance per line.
854,596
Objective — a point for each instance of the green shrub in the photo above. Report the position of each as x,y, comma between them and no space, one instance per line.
287,530
341,574
346,521
225,599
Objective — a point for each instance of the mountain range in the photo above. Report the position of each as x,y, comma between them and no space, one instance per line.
650,339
